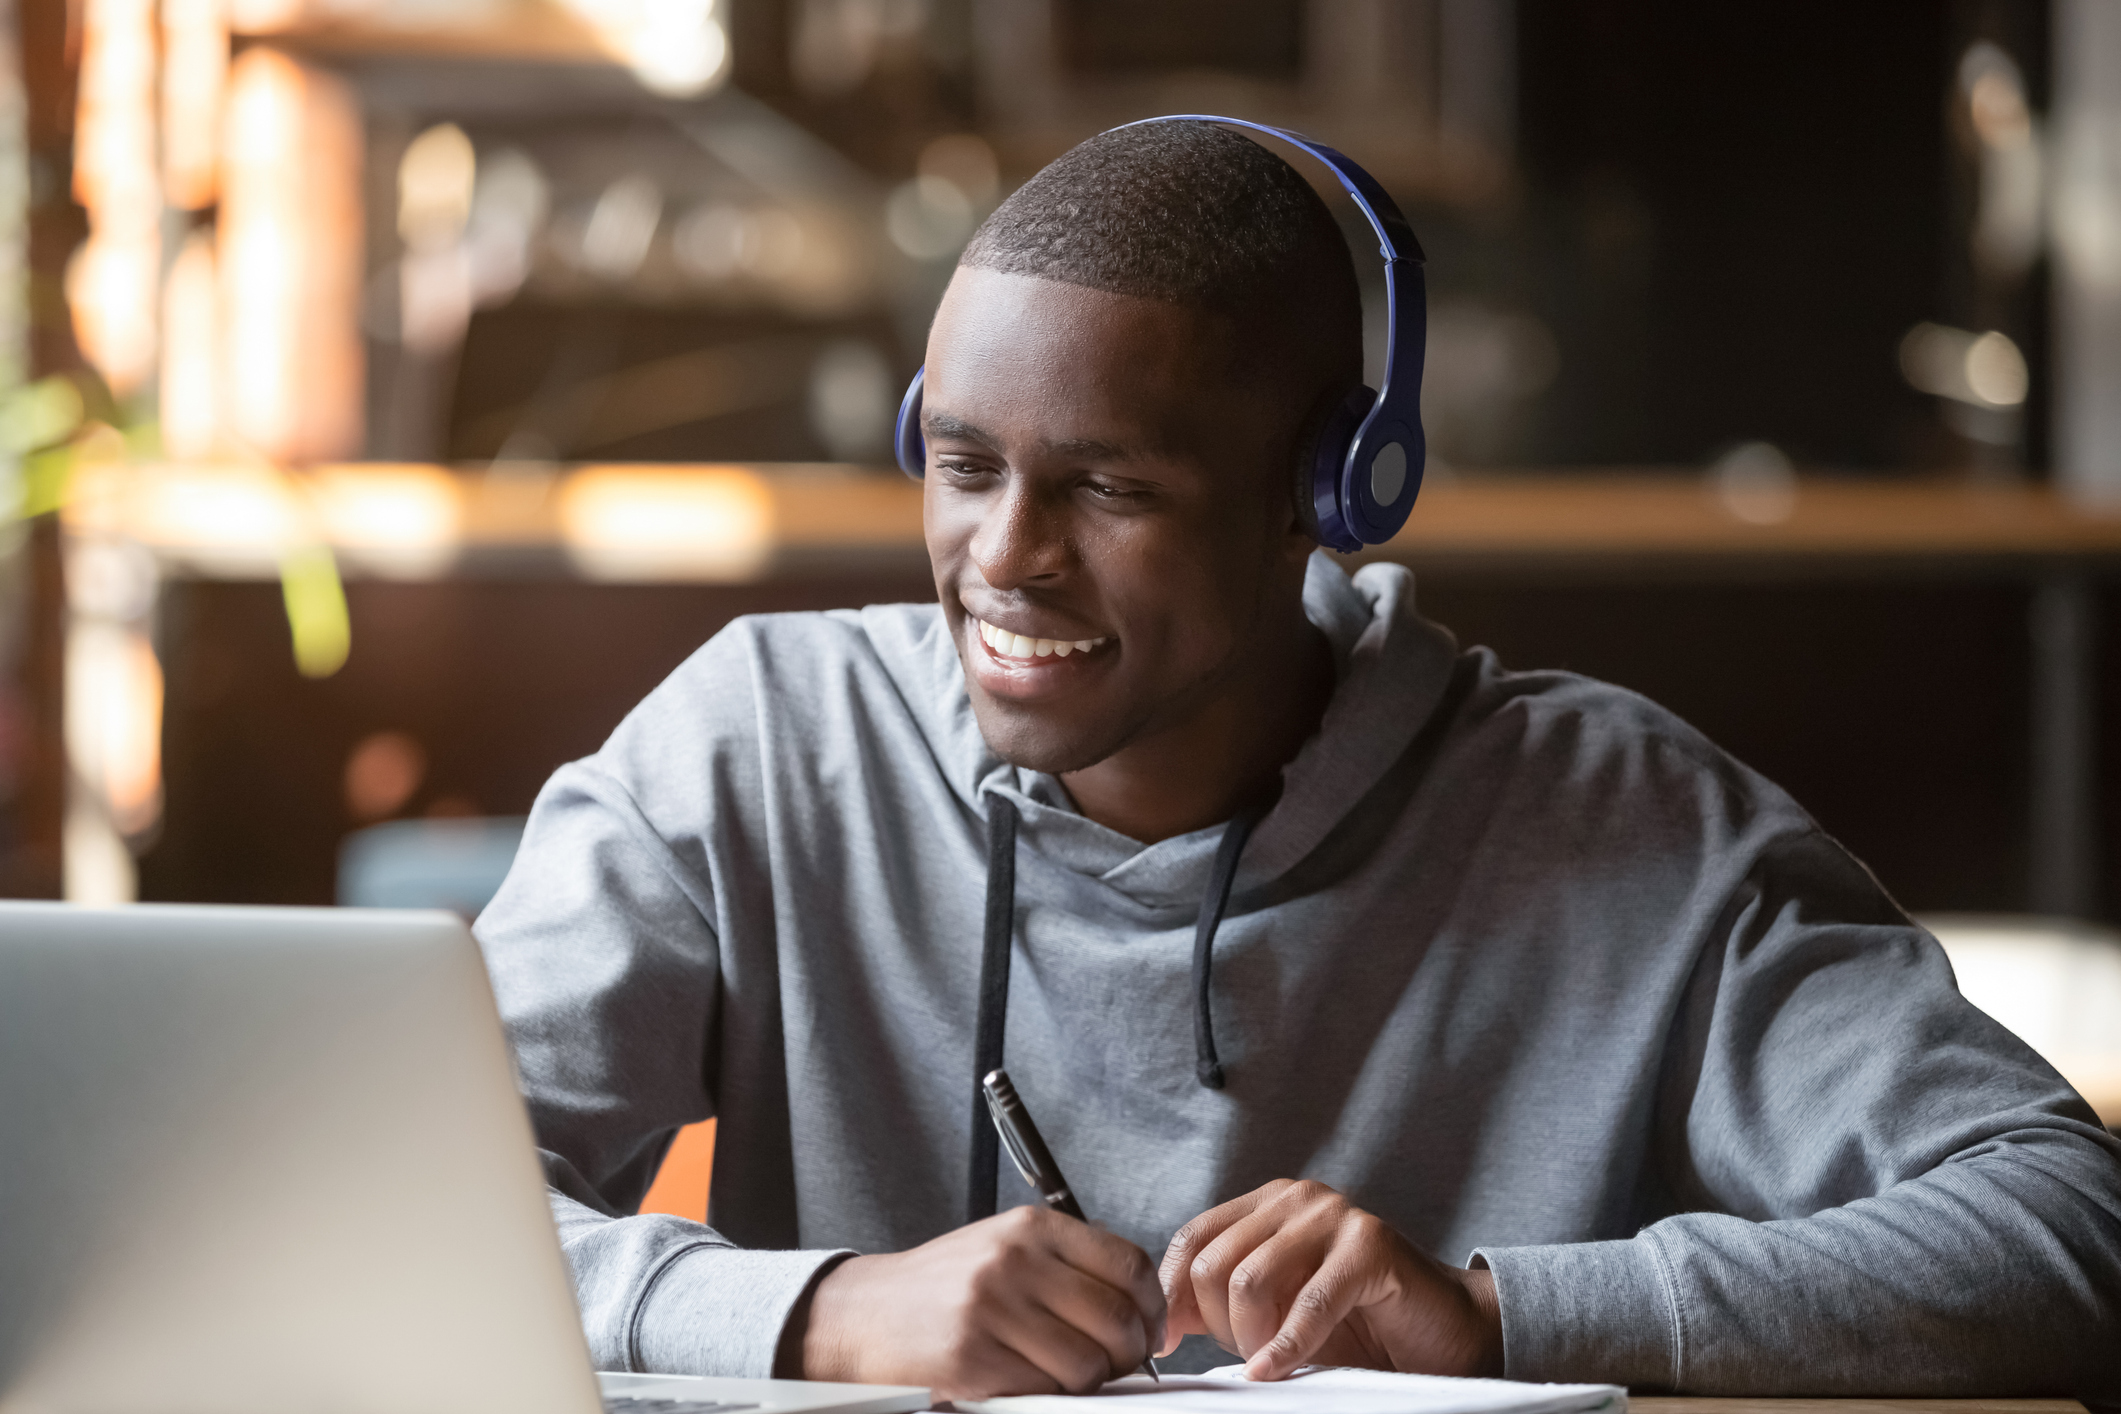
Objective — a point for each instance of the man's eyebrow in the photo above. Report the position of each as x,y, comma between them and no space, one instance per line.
1089,449
936,425
942,424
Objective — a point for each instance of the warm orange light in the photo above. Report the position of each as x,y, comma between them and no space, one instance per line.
232,508
290,257
191,353
243,518
709,523
402,521
265,16
111,281
114,720
436,179
678,48
110,292
134,771
236,520
382,773
114,133
194,73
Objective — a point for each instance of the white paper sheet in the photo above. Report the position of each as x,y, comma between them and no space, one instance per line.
1318,1390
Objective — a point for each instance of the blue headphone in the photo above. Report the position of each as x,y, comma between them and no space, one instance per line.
1367,468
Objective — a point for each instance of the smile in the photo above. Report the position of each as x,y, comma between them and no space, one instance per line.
1014,645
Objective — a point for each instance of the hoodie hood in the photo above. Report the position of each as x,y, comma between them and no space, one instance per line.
1392,668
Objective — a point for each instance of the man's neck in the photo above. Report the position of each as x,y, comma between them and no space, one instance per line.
1219,759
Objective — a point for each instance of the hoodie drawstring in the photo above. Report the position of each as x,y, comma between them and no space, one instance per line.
993,1001
994,979
1206,1065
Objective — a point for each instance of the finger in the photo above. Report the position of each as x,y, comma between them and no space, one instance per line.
1181,1259
1119,1265
1062,1351
1104,1313
1219,1260
1264,1285
1188,1241
1340,1284
992,1369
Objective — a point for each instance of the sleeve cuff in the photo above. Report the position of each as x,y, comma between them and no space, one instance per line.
720,1310
1587,1312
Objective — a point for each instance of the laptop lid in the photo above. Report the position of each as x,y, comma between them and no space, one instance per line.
264,1161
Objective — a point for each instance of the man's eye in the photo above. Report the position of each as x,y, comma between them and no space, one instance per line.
1105,491
952,466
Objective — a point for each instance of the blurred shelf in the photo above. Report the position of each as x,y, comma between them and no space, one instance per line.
535,30
617,523
1634,523
737,524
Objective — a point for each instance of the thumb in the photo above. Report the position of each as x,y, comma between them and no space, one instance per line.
1325,1301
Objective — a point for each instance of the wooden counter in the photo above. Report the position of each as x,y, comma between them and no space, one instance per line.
1595,517
743,523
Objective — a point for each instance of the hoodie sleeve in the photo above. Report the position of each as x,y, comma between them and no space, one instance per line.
1878,1189
606,967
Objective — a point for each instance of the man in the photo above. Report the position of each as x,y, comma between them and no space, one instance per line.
1513,971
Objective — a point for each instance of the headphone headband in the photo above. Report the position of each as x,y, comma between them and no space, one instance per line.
1395,237
1368,466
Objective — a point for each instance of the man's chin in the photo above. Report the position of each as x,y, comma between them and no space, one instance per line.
1034,741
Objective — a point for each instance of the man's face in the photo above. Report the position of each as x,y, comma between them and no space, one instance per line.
1103,487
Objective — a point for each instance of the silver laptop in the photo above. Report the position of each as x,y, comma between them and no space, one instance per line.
273,1161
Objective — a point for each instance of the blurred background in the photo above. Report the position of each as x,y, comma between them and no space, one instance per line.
393,391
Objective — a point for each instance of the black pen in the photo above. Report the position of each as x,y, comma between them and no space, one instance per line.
1028,1151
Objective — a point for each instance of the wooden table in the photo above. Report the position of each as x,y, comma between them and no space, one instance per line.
1693,1404
1690,1405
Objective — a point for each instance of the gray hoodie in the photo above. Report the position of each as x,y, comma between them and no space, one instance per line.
1519,962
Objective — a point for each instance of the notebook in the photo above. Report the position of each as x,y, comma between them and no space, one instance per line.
1318,1389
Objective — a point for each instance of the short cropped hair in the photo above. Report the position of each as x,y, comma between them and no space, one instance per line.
1193,214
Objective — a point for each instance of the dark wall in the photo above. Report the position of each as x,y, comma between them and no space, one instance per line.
1734,212
529,370
1896,714
498,681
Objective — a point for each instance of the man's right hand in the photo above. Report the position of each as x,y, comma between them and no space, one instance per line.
1026,1302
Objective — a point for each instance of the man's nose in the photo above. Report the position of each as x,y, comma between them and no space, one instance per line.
1021,538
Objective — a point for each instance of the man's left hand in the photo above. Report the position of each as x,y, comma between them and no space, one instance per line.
1294,1274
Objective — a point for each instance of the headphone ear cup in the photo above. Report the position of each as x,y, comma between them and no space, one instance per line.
1324,426
906,440
1319,499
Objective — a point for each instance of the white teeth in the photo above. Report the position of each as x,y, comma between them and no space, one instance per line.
1015,645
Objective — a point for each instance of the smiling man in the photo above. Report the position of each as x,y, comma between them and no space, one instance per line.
1419,1014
